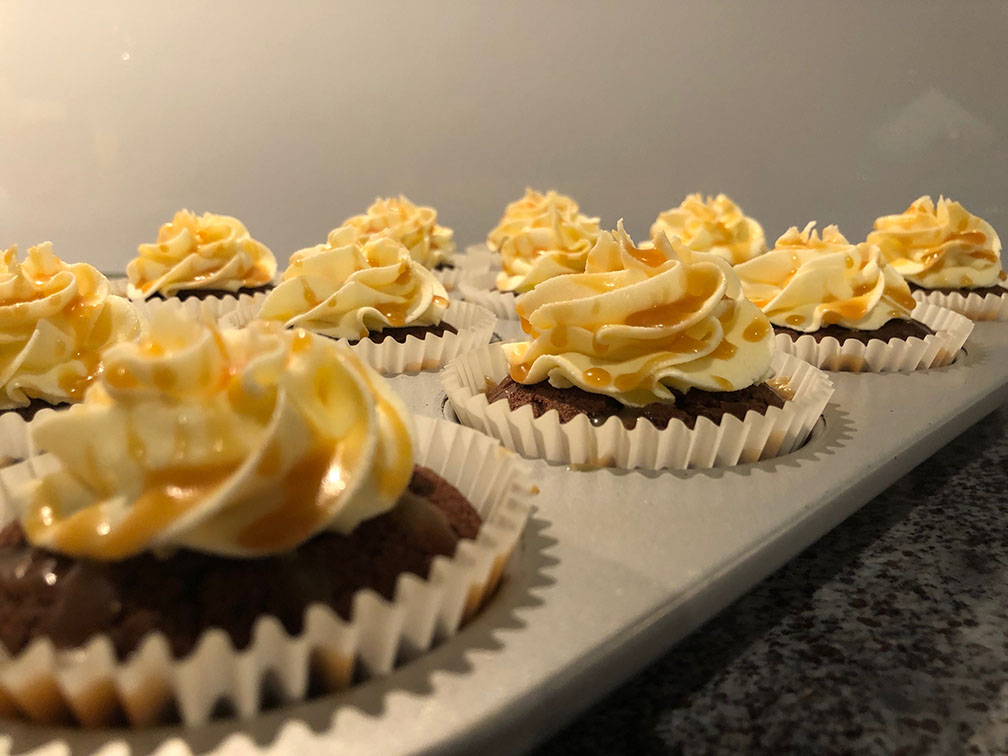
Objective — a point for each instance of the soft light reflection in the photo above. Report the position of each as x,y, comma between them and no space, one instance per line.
333,483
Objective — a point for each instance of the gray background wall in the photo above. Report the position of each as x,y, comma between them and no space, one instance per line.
112,115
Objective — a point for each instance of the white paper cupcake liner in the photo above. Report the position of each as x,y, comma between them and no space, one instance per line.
731,441
478,288
119,286
450,277
898,355
209,310
973,306
88,685
474,324
479,257
15,434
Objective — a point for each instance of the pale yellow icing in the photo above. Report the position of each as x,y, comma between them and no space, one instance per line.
940,246
200,252
551,244
640,322
520,213
414,226
717,226
237,442
807,282
55,319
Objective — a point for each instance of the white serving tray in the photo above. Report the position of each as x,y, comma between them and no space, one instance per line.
616,568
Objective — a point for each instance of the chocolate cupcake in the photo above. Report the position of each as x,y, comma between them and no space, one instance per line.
57,318
234,502
715,225
417,229
373,294
839,306
651,358
949,257
205,264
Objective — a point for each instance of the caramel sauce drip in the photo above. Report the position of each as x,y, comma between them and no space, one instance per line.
701,284
724,351
393,312
167,495
597,377
520,372
724,383
902,297
794,320
440,301
782,387
308,294
1002,276
756,331
559,337
651,257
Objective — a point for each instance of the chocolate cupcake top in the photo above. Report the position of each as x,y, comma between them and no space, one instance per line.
351,286
807,282
552,243
641,322
519,213
56,320
717,226
940,246
238,442
200,252
414,226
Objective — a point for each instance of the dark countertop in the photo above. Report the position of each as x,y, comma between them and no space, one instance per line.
889,635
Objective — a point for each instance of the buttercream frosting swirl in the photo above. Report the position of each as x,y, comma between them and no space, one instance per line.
807,282
940,246
200,252
518,214
640,322
717,226
350,286
55,319
237,442
414,226
551,244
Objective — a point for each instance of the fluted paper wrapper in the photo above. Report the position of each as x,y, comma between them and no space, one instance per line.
450,277
731,441
15,434
479,288
972,305
89,686
897,355
210,310
479,257
474,324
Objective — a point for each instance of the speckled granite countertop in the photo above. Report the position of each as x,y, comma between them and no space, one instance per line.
889,635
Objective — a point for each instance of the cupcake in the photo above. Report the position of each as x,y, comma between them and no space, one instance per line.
209,261
520,213
417,229
57,319
841,307
949,257
650,358
371,292
215,521
546,237
717,226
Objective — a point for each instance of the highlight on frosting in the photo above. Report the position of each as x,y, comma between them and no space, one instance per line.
351,286
55,319
715,225
807,282
551,244
200,252
414,226
940,245
521,212
640,322
237,442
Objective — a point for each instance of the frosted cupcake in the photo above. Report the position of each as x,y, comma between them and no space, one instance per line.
717,226
520,213
840,306
372,293
650,358
57,318
949,257
414,226
546,237
209,259
216,521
